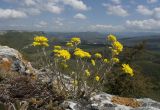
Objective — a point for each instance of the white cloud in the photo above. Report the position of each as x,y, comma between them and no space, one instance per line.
101,26
17,25
116,10
38,6
42,24
104,4
55,6
34,11
10,1
116,1
58,22
29,2
51,7
106,27
80,16
11,13
77,4
152,1
154,13
31,11
144,10
133,2
149,24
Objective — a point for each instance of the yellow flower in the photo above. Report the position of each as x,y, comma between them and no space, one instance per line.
40,41
75,82
116,60
93,62
55,50
57,47
98,55
117,46
112,38
115,52
105,60
64,65
63,54
45,44
87,73
78,49
75,40
97,78
127,69
69,44
82,54
36,44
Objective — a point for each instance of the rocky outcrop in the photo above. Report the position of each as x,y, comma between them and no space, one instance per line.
104,101
11,60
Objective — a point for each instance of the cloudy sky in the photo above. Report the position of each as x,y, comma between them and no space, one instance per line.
80,15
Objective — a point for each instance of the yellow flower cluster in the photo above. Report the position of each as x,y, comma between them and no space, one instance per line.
40,41
117,47
69,44
81,54
115,60
112,38
98,55
75,40
36,44
115,52
64,54
97,78
127,69
105,60
75,82
57,47
87,73
64,65
93,62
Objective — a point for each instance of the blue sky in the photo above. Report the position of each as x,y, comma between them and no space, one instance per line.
80,15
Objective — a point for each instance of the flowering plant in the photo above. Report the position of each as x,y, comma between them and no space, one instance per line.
89,71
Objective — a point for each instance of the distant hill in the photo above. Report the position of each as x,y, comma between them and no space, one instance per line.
87,36
152,42
17,39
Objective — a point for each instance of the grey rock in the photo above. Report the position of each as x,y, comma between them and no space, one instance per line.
75,105
102,101
16,60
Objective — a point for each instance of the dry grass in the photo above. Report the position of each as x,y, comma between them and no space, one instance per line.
126,101
17,89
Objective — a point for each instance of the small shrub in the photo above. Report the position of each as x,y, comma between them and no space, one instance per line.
89,72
